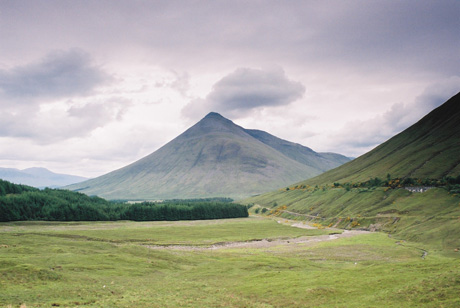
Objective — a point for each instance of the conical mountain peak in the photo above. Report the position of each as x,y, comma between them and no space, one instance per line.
216,118
214,115
214,123
213,158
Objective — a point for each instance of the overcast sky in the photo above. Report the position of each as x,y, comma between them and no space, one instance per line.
87,87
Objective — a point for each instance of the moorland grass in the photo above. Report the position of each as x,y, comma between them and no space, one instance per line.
108,265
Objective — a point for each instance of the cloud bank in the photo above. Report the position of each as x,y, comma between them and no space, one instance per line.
367,65
244,90
48,100
59,74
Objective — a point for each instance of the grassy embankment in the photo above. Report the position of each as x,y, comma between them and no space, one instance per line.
107,264
432,217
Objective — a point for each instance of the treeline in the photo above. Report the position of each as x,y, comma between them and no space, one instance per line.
20,202
187,211
10,188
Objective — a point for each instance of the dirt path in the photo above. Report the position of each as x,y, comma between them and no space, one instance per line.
265,243
297,224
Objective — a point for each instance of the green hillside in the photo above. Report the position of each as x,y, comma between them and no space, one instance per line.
428,149
213,158
408,186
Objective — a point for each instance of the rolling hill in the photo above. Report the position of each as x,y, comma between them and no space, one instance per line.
213,158
349,196
38,177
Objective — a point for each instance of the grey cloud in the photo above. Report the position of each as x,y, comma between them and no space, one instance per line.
99,113
61,74
58,78
45,127
197,108
247,89
376,36
361,35
18,124
179,82
436,94
320,42
406,36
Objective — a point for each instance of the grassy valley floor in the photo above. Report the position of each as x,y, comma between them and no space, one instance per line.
145,264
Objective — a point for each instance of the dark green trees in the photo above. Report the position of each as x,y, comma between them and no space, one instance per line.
19,202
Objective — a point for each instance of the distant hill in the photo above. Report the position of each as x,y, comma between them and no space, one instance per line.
372,191
213,158
38,177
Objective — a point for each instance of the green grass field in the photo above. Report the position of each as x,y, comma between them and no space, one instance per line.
112,264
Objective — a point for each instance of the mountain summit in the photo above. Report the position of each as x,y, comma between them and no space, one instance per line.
213,158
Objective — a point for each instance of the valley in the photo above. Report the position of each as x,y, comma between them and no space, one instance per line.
378,231
233,154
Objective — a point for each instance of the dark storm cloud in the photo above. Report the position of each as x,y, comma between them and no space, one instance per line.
246,89
61,74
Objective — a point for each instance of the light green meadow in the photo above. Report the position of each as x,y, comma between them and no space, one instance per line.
118,264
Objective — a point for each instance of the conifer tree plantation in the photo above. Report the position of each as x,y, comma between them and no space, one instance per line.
20,202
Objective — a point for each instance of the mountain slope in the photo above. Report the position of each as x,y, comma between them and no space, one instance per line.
213,158
298,152
428,149
38,177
